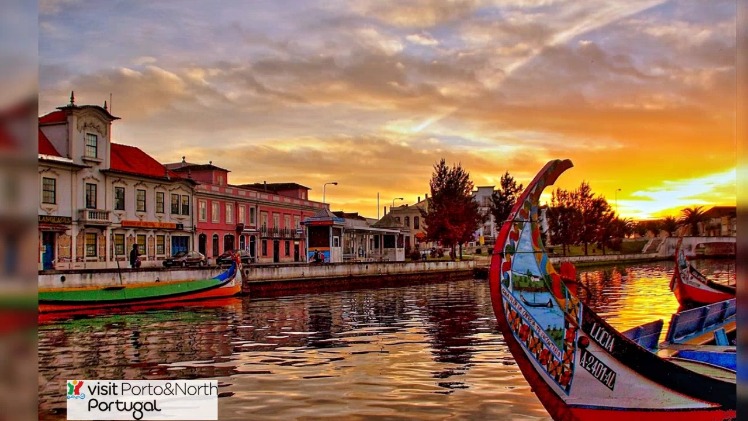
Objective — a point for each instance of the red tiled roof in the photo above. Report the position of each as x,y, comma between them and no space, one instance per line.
53,117
45,146
132,160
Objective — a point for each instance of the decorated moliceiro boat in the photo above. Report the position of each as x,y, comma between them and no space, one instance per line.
580,367
691,288
226,284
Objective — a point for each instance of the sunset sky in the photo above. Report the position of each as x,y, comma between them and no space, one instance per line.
640,95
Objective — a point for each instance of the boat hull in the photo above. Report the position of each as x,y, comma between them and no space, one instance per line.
697,295
226,284
692,289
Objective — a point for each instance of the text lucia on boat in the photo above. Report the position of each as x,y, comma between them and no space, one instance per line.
226,284
691,288
579,366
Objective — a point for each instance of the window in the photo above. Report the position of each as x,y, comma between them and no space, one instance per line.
141,243
264,217
185,204
288,248
276,220
397,218
90,196
264,247
49,190
119,244
160,244
252,216
202,207
416,222
229,213
241,214
140,200
215,212
297,222
159,202
92,145
91,244
215,245
119,198
175,204
407,221
287,221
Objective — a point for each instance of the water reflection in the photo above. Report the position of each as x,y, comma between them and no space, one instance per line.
423,351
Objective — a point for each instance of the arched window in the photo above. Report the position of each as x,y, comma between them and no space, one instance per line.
407,221
416,222
215,245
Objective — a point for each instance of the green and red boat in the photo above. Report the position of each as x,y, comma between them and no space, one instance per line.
226,284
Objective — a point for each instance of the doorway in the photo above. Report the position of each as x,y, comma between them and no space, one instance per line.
202,243
179,243
48,250
296,252
276,251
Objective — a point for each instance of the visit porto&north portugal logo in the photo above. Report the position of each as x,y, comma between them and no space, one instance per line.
74,390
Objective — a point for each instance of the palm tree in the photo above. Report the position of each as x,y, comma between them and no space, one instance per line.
691,217
669,224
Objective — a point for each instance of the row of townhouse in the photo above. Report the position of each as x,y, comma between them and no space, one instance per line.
98,198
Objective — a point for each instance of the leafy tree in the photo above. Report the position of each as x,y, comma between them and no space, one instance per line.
691,217
453,216
563,219
503,199
579,217
669,224
655,226
614,231
594,213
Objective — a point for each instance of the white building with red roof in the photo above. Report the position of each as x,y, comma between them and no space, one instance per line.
98,198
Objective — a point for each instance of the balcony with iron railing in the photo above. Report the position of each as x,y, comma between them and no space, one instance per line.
98,217
284,233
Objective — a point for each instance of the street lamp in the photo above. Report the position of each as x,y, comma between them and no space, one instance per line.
617,190
323,189
393,202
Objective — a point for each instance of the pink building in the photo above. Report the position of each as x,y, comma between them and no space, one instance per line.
264,219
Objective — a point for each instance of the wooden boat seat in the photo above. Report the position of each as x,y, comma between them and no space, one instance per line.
706,369
720,337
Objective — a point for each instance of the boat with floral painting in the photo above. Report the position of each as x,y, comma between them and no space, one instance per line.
579,366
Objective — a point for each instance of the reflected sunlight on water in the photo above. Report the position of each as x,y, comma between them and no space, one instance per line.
429,351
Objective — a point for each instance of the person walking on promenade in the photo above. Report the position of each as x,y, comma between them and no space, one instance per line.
134,261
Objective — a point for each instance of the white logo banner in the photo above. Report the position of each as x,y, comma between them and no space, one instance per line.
142,399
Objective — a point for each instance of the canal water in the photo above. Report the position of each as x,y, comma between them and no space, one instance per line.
423,352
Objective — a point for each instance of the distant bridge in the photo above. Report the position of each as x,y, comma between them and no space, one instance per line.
689,244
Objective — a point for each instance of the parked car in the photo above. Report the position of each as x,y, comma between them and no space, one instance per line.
226,258
186,258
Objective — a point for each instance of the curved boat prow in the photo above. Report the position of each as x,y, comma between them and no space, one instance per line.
579,366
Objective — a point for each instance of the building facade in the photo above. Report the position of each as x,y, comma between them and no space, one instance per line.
264,219
411,218
98,198
486,233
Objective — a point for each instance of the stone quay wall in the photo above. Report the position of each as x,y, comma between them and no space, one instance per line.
264,277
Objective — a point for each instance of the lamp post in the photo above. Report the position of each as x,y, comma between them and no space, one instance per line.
324,186
393,202
617,190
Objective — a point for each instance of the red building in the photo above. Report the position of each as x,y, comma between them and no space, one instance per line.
264,219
